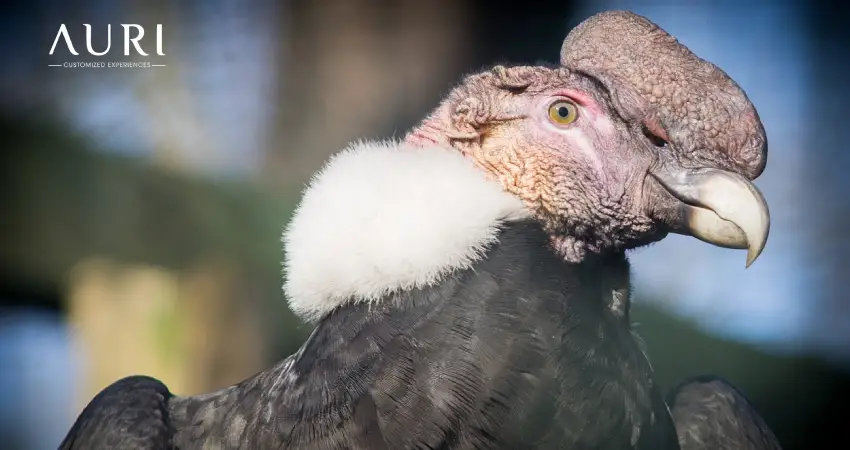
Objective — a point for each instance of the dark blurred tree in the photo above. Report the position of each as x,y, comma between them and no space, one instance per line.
826,174
350,69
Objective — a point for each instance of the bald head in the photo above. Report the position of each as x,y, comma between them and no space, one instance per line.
615,149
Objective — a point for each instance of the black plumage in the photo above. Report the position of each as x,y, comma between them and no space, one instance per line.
131,413
521,351
710,413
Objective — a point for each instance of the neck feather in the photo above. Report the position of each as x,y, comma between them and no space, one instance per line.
387,216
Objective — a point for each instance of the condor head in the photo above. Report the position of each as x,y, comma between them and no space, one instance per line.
631,138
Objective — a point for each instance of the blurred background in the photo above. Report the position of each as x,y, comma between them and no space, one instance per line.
141,208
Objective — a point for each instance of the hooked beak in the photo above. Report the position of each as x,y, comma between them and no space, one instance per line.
719,207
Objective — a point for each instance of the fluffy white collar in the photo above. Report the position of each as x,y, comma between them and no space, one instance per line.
384,216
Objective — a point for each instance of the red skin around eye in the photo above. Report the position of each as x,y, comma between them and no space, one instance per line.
582,99
589,104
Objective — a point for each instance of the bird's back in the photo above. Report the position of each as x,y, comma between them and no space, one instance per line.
511,354
710,413
130,414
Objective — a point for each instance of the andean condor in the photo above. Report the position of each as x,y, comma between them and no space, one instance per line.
469,284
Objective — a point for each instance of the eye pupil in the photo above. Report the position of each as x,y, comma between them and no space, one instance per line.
562,112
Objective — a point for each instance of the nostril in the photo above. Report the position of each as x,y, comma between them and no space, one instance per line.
656,140
653,130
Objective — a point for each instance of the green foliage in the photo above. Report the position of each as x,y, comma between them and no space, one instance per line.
64,202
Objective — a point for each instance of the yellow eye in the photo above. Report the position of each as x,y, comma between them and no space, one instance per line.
563,112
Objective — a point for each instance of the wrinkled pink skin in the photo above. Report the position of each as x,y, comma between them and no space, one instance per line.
585,181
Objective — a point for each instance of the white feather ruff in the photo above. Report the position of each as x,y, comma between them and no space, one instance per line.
384,216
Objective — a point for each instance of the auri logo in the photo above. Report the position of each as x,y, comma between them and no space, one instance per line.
133,33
